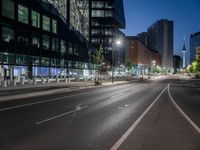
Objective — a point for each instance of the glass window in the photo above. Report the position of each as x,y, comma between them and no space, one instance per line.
54,62
22,14
8,8
62,62
97,13
7,34
70,48
36,42
35,60
97,4
21,59
76,50
55,44
45,61
23,40
35,18
46,23
62,46
45,42
6,58
54,26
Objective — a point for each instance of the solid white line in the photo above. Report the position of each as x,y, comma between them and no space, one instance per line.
133,126
41,102
58,116
117,95
182,112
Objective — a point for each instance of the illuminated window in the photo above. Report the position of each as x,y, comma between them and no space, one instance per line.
46,23
54,26
8,8
22,14
35,18
7,34
45,42
62,46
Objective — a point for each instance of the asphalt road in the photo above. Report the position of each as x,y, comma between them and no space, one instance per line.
95,119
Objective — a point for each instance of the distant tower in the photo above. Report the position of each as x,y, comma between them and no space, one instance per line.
184,51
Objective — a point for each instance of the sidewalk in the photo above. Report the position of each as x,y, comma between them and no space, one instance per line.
31,90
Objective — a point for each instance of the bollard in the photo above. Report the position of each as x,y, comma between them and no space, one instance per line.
22,80
48,80
8,83
43,80
34,81
66,80
57,80
4,83
14,82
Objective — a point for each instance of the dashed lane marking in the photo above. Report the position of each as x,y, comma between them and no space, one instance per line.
61,115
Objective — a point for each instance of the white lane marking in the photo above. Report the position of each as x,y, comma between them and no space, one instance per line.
45,101
133,126
182,112
41,102
58,116
117,95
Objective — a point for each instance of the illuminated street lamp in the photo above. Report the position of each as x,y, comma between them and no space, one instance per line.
118,42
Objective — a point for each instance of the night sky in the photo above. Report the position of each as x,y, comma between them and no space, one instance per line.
140,14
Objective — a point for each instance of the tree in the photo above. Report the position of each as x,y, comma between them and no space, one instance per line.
98,60
195,66
128,66
155,69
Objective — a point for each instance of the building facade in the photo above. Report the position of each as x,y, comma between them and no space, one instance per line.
177,63
194,43
140,56
37,42
76,12
143,36
197,53
106,18
160,38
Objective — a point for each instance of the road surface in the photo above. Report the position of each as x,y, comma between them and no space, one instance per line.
142,115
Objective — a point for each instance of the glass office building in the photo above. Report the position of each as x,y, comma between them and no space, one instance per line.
194,43
76,12
106,18
37,41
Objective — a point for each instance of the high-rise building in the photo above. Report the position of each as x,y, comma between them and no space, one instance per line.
194,43
197,53
176,63
76,12
106,18
37,40
141,56
160,38
143,36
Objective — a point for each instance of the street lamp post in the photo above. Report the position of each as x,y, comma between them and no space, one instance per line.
117,42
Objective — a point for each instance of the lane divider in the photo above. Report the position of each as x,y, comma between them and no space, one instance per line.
134,125
182,112
44,101
51,100
120,94
61,115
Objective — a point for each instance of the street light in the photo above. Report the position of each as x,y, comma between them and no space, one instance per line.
118,42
